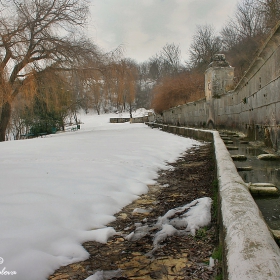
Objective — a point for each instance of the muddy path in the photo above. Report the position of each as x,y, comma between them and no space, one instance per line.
179,257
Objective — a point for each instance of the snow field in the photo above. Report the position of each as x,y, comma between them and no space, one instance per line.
60,191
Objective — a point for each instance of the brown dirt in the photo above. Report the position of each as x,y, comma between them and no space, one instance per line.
180,257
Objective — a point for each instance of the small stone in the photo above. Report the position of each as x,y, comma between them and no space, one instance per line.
122,216
141,211
61,277
136,254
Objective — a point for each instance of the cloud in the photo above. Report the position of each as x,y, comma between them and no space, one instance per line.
145,26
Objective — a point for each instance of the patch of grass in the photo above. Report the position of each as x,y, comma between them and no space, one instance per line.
218,253
215,202
201,233
219,277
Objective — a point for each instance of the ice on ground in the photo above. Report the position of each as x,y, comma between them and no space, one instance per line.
184,220
166,230
105,275
211,262
190,217
139,233
178,221
62,190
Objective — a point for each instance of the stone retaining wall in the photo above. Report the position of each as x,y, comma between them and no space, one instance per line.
253,107
119,120
250,251
139,120
131,120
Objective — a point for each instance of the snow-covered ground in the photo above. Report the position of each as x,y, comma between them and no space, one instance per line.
62,190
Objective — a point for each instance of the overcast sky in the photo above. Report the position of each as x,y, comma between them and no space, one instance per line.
143,27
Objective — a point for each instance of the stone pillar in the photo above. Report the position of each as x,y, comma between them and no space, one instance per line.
218,80
218,77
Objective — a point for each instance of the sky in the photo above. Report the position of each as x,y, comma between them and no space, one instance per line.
143,27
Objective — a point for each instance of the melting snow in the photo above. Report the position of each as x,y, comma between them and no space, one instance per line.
105,275
178,221
62,190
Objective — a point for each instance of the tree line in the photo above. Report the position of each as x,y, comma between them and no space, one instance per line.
239,39
49,70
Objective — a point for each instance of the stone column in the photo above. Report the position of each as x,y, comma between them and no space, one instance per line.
218,80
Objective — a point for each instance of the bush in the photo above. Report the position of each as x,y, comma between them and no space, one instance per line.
174,91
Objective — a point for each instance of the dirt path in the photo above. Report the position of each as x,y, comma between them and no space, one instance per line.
179,257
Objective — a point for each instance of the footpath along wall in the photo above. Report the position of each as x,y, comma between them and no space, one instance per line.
249,249
252,107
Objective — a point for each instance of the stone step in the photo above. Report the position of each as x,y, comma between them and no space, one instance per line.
244,168
276,235
232,147
268,157
238,157
263,189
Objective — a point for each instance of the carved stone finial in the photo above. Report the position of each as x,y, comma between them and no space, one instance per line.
219,60
219,57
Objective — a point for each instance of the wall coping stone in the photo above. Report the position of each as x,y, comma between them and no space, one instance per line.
249,247
252,252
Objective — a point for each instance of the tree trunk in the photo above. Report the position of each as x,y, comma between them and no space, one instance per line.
130,110
4,120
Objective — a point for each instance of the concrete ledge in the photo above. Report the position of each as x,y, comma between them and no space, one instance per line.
119,120
250,251
139,120
131,120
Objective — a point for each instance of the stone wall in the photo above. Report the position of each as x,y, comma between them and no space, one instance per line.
249,250
253,107
119,120
139,120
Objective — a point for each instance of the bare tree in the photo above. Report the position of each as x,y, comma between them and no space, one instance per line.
166,63
248,22
170,57
35,34
271,11
144,86
205,44
243,35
